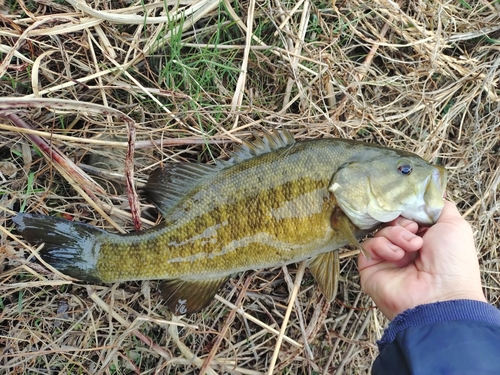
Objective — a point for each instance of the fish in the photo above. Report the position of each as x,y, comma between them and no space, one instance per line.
276,201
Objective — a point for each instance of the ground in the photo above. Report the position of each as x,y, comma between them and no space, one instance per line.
187,81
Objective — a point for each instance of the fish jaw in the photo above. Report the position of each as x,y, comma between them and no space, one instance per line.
430,203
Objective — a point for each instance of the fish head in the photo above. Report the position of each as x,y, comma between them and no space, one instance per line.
379,188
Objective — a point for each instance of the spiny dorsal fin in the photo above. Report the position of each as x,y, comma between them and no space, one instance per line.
188,297
167,186
260,145
326,269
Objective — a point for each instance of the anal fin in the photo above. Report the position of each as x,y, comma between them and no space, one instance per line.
326,269
188,297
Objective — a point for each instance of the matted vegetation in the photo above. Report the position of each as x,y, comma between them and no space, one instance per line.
186,81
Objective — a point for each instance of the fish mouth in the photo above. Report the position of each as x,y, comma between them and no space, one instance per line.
439,179
432,199
440,176
433,214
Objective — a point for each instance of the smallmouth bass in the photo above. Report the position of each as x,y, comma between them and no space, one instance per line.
275,202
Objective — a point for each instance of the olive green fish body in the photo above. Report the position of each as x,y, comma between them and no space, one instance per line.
267,211
271,205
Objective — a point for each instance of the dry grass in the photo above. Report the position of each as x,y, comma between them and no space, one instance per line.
186,82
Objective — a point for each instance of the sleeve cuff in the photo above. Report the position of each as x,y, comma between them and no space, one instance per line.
468,310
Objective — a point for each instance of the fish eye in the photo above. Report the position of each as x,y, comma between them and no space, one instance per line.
405,169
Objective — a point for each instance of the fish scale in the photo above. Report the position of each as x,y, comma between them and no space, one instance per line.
246,223
275,202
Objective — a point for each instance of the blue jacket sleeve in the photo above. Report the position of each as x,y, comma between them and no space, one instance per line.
458,337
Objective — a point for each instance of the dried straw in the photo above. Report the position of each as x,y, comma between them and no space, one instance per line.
188,79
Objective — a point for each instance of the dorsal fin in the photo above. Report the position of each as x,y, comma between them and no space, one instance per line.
167,186
260,145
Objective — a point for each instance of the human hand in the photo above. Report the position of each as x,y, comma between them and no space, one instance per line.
412,266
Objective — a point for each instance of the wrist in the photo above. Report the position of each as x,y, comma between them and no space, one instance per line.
438,312
460,295
462,289
395,306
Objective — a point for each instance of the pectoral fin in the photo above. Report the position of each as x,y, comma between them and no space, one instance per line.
326,269
341,222
188,297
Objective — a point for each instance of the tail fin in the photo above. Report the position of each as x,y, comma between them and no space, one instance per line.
70,247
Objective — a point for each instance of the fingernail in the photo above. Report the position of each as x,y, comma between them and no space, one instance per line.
404,222
408,236
394,248
400,221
